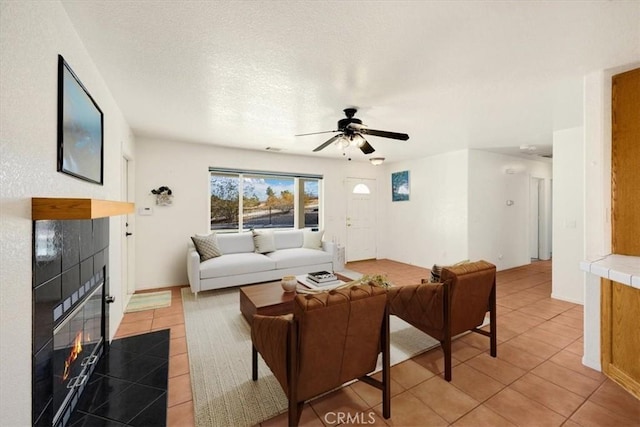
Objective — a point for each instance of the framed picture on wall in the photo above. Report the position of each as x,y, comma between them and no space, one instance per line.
80,128
400,186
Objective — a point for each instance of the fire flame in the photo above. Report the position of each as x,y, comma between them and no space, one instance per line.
76,349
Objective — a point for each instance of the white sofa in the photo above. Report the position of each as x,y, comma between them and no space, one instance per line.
239,264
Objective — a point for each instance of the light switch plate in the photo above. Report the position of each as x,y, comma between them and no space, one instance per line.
144,211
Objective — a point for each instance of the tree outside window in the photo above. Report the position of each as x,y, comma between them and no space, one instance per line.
267,201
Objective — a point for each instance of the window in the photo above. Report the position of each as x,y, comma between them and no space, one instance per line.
269,200
311,202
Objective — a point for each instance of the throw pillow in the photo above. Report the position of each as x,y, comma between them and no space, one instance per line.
207,246
435,273
263,241
313,239
436,270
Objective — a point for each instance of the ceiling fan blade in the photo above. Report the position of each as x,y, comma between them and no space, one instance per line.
316,133
385,134
367,148
327,143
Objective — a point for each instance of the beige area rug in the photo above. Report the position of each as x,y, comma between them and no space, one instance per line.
219,343
149,301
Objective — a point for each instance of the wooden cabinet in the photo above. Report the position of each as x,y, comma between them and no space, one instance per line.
620,303
620,326
625,163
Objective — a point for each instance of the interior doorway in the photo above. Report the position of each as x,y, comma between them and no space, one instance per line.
361,219
535,216
540,218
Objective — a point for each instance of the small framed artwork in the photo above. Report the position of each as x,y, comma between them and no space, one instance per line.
80,128
400,186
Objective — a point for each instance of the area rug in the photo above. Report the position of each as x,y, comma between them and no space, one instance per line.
219,344
149,301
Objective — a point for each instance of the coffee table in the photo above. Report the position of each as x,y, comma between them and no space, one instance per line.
268,299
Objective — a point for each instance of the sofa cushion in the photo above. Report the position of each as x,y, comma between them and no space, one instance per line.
263,241
286,239
298,257
233,264
206,246
233,243
312,239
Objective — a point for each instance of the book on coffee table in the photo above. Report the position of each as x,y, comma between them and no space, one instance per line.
322,277
304,280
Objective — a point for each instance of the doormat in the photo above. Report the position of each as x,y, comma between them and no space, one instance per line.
149,301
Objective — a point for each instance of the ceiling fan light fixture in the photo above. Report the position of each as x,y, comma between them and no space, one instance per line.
342,142
376,161
352,131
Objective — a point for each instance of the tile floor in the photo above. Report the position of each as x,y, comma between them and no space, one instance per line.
536,380
129,384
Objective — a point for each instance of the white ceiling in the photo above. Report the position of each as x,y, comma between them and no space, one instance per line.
453,75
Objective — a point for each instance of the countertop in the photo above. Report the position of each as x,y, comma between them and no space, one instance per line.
619,268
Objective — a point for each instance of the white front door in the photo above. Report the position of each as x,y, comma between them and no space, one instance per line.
361,219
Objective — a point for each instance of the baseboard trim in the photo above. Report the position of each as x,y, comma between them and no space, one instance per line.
561,298
593,364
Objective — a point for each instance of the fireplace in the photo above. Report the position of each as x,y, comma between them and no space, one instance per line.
77,346
70,314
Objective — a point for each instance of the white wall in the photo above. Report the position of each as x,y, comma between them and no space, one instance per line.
568,214
499,233
457,209
161,239
32,34
431,227
597,202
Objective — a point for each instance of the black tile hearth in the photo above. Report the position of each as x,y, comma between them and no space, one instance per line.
129,385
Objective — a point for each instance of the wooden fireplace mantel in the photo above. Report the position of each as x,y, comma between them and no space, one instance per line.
43,208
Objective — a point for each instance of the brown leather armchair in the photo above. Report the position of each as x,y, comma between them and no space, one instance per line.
331,338
458,304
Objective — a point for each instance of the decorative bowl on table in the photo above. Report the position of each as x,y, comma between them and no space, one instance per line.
289,283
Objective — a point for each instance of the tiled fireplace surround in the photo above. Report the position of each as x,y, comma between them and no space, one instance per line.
70,260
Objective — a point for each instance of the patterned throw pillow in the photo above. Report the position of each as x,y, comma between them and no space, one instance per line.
206,246
263,241
436,270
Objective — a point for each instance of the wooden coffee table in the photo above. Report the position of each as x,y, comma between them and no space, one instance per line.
268,299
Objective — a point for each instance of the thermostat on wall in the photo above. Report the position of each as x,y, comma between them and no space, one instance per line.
145,211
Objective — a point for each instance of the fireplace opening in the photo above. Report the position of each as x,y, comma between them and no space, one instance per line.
77,346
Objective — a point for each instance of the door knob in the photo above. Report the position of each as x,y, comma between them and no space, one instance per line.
128,234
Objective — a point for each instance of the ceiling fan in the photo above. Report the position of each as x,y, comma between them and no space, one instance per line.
352,131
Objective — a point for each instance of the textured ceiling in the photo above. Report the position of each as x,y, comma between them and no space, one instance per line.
453,75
